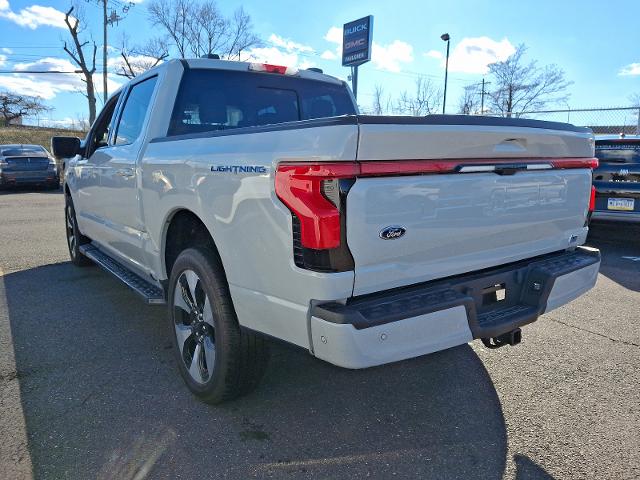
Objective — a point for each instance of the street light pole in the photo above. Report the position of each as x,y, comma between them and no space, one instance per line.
446,38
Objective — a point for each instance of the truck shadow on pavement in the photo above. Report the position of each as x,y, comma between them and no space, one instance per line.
619,244
102,398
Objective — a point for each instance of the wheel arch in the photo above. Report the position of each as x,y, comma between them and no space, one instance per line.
183,229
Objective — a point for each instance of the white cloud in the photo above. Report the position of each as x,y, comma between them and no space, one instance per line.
289,45
328,55
389,57
434,54
334,35
31,87
631,69
33,16
7,50
3,60
48,85
473,55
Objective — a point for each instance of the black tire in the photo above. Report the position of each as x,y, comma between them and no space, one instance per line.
74,237
202,320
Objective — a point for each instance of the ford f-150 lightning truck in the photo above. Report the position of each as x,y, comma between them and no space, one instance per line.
255,201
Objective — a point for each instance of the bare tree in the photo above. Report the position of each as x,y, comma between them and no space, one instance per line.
14,106
200,29
241,35
380,106
77,54
137,60
520,86
173,17
470,100
635,99
425,100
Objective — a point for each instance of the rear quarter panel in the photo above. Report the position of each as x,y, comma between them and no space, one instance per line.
250,226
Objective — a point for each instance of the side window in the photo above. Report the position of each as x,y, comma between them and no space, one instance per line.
134,112
99,135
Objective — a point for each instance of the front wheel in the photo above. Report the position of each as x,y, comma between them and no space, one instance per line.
217,360
74,237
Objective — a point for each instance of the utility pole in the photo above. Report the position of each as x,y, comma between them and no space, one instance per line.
482,94
108,20
104,51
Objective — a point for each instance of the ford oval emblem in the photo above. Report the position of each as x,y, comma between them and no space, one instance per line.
392,232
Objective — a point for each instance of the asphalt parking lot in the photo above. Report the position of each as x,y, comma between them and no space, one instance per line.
89,389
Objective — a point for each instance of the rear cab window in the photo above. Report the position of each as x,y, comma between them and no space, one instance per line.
24,151
618,152
212,100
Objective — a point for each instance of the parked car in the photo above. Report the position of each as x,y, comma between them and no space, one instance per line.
27,165
256,202
617,179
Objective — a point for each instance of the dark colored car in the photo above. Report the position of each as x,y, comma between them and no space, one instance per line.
617,179
27,165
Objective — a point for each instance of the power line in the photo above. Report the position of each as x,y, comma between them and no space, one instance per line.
40,72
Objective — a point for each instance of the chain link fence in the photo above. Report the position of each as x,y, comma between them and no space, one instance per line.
610,121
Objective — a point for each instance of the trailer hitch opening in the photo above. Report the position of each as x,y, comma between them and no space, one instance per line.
512,338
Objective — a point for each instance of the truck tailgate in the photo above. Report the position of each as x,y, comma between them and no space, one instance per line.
454,223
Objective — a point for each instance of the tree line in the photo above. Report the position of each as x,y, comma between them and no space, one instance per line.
514,86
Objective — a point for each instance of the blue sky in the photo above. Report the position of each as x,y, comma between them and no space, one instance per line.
598,48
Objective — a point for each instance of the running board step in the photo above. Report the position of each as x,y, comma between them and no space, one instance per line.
152,294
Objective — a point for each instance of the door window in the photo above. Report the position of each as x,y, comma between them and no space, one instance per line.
134,112
99,135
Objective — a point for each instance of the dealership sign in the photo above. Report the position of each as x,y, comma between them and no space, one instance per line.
356,42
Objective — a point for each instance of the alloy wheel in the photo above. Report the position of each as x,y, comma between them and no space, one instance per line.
194,327
71,236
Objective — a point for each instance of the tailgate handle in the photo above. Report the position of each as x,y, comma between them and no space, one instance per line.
511,145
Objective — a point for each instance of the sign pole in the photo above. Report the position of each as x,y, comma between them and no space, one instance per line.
354,81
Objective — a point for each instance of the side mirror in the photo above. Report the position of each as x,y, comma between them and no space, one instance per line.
65,147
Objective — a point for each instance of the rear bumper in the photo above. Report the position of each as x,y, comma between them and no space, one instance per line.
46,178
615,216
405,323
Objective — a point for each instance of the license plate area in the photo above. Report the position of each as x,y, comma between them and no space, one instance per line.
494,294
623,204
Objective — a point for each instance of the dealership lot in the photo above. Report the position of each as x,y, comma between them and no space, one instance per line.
89,388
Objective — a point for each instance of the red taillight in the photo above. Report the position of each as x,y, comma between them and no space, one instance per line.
269,68
299,186
575,163
592,199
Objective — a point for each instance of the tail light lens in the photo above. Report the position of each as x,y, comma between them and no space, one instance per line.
316,195
269,68
592,199
311,193
575,163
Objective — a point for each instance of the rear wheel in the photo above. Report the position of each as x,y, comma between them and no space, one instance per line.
74,237
217,360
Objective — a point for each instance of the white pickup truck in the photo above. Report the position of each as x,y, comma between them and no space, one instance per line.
256,202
